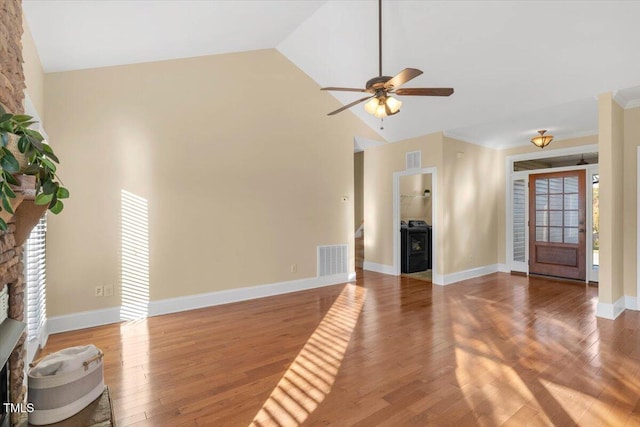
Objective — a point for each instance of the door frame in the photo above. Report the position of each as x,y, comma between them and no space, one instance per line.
510,176
436,278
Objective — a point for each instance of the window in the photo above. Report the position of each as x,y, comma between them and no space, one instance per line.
35,279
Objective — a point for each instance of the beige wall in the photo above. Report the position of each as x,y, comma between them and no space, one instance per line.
358,189
465,198
379,165
242,170
611,145
33,73
470,190
413,203
630,167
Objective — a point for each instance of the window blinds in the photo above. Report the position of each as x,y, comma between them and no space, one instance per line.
35,277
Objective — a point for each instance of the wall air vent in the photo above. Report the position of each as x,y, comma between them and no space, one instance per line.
413,160
332,259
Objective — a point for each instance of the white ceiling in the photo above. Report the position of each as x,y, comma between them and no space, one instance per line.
516,66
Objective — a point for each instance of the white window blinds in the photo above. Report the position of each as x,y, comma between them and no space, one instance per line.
35,277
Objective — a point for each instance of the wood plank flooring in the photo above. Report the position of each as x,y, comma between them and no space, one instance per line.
496,350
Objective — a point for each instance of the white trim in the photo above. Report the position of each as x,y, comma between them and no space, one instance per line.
436,276
638,223
379,268
459,276
32,346
610,311
83,320
352,276
89,319
504,268
632,303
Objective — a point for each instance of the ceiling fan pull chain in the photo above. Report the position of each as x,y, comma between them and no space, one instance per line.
381,123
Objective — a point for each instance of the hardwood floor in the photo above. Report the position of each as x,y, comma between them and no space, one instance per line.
393,351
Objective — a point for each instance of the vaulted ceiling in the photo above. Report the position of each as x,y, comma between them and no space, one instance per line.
516,66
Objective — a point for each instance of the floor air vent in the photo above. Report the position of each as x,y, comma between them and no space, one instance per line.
332,259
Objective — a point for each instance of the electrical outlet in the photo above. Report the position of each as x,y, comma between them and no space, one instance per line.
108,290
294,268
99,291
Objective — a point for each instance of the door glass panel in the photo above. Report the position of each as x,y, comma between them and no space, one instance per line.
542,234
555,185
555,234
519,228
570,218
541,186
555,218
542,217
571,201
571,235
555,201
571,184
542,202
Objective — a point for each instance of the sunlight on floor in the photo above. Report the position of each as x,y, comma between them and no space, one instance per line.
312,374
135,257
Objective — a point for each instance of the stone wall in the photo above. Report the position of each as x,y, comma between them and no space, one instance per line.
11,273
11,75
12,87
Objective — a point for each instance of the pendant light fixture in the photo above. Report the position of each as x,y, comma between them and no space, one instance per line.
582,161
542,140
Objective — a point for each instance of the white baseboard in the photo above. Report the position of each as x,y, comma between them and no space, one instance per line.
610,311
504,268
352,276
632,303
458,276
191,302
89,319
83,320
378,268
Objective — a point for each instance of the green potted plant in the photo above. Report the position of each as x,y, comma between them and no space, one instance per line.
40,161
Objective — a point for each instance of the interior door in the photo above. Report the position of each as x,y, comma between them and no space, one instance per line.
557,245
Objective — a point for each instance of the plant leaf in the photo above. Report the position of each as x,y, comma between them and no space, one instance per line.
10,178
62,193
48,163
57,208
3,225
21,118
37,144
6,204
49,152
2,110
5,117
8,191
5,138
32,170
9,163
53,202
23,144
43,199
49,187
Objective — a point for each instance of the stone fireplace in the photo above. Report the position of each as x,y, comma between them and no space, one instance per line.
12,85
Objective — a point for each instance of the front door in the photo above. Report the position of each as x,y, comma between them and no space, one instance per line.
557,245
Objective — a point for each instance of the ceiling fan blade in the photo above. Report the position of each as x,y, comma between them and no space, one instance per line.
350,105
432,91
402,77
344,89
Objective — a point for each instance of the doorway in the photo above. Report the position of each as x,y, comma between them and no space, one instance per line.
416,226
557,224
430,199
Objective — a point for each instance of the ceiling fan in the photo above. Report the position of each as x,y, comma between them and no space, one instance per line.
381,103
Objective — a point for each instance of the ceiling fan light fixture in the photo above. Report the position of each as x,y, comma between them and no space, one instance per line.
378,106
542,140
393,104
371,106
